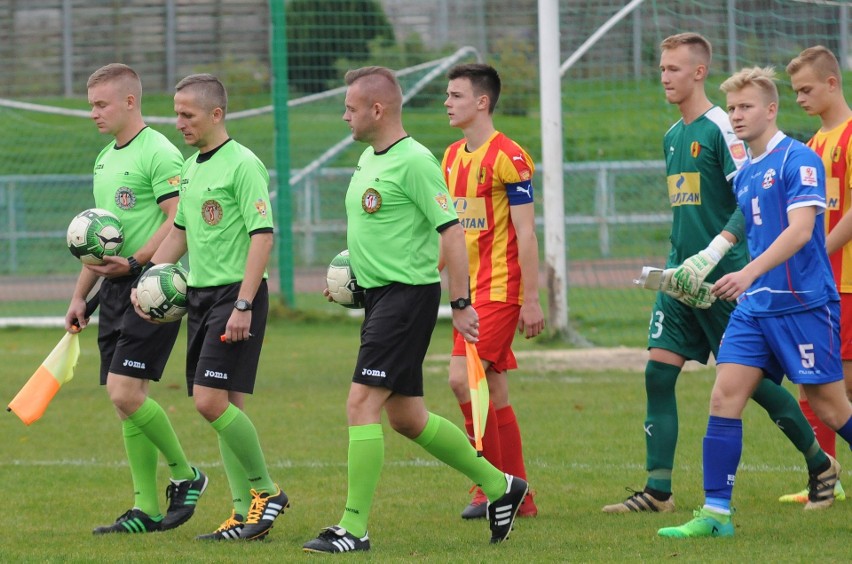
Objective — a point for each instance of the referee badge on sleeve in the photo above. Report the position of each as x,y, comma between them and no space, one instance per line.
441,198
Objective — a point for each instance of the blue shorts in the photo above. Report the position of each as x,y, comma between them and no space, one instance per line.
803,345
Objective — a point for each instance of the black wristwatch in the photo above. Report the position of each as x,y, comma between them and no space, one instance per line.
135,267
460,303
242,305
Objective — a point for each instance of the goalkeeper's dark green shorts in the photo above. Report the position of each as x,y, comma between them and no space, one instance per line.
692,333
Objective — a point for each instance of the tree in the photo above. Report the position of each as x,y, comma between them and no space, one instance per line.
321,31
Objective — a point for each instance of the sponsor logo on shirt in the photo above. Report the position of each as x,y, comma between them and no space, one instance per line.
260,206
471,212
684,189
211,211
371,201
808,174
832,193
835,154
125,198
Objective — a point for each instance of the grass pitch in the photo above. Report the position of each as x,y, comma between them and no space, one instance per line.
583,438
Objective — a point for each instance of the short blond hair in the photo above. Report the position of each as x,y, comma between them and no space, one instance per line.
762,78
698,45
820,59
117,72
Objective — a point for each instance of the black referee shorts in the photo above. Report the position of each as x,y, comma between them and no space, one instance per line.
129,345
209,361
395,335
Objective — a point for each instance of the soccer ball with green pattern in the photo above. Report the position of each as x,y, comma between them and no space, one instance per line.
94,234
342,285
161,292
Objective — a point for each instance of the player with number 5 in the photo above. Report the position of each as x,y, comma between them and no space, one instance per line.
702,155
788,312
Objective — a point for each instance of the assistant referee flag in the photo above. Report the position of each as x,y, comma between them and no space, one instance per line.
57,369
479,397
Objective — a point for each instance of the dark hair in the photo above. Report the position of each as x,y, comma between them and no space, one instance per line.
483,78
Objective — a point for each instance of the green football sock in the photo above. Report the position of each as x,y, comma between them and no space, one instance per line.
237,479
366,457
142,457
661,424
785,412
152,420
238,432
450,445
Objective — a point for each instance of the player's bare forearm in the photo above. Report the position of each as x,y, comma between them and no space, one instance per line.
119,266
531,319
146,251
454,254
77,305
260,249
172,248
838,237
238,325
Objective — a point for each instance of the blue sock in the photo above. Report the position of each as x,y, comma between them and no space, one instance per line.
723,447
846,432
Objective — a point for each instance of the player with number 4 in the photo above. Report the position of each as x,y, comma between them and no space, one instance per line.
702,156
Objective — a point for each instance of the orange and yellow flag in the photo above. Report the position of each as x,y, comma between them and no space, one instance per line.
57,369
479,399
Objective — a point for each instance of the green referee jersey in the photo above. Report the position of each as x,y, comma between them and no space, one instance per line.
224,198
131,180
701,160
395,202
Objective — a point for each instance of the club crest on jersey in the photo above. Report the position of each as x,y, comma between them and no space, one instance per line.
808,174
371,201
211,211
125,198
483,174
695,149
769,178
441,198
835,154
174,180
260,206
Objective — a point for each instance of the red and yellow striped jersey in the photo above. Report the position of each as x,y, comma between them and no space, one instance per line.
484,184
835,149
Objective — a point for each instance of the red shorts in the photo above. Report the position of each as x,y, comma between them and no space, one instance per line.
498,322
845,326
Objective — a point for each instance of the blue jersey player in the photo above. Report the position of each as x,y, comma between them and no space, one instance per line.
787,318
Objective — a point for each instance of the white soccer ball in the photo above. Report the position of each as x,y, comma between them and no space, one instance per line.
161,292
94,234
342,285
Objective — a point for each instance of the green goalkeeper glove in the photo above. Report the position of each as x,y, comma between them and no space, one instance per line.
662,280
689,276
